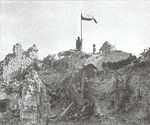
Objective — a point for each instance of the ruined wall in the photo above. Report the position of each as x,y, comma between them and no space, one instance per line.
34,101
19,60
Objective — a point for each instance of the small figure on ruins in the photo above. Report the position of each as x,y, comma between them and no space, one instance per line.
78,44
94,48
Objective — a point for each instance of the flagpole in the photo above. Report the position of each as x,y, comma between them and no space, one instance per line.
81,26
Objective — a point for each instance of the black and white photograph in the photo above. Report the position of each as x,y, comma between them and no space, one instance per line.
74,62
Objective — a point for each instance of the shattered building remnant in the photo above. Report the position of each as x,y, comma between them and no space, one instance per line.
106,48
75,86
34,101
17,61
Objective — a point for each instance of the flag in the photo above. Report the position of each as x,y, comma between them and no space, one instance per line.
88,18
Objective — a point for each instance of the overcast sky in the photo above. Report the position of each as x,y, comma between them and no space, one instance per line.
54,25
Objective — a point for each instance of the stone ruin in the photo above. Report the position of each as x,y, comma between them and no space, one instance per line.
65,89
22,97
32,52
106,48
17,50
34,106
25,101
19,59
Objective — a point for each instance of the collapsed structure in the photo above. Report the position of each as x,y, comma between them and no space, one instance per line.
74,86
19,60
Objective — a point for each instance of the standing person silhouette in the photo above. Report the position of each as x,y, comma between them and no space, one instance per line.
78,44
94,49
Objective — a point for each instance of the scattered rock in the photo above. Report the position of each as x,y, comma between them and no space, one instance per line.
75,86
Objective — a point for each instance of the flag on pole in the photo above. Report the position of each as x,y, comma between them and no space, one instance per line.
88,18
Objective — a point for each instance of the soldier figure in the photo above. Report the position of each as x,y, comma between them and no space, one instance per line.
78,44
94,49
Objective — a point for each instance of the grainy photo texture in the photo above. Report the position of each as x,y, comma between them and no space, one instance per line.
75,62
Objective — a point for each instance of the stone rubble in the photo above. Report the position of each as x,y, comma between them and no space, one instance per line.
74,86
19,60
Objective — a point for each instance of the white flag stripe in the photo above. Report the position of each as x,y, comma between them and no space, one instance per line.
87,15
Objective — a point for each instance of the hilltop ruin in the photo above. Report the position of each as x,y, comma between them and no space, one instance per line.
74,86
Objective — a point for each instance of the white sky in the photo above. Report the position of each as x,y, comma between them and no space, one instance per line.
55,25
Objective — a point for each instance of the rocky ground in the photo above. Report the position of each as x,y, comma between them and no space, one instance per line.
72,87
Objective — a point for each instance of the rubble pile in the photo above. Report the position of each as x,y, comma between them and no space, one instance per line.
109,88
